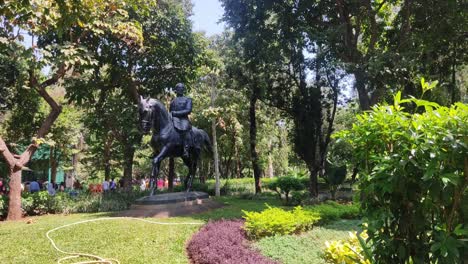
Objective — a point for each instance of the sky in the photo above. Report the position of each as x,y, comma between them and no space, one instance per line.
206,16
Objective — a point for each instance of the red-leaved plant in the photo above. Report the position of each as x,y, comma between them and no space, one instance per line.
223,242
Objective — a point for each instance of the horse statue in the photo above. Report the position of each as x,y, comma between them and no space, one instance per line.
154,115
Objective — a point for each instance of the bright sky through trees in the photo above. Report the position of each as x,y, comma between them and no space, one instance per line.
206,16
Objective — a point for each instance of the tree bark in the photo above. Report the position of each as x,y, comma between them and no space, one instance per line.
313,186
253,140
14,205
364,100
238,161
128,164
215,143
53,165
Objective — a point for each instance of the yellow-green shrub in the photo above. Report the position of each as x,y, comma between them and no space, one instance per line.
276,221
347,251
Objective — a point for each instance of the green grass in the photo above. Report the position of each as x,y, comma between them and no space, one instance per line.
307,247
128,241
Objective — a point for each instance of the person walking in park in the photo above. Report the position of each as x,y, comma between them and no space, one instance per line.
51,188
105,185
143,184
34,186
112,185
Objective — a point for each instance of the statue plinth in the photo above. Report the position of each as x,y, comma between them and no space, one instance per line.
171,204
170,198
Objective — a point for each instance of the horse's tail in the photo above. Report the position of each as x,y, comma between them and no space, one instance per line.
207,142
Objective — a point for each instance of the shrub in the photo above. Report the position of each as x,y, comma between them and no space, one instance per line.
334,176
3,206
276,221
412,178
299,197
331,210
284,185
349,251
42,203
223,242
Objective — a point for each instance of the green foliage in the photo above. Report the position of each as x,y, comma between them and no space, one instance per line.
284,185
413,179
3,206
309,246
40,203
299,197
334,176
331,210
348,251
276,221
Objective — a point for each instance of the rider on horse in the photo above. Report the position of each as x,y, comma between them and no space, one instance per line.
180,108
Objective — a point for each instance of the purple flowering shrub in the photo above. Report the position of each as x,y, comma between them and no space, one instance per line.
223,242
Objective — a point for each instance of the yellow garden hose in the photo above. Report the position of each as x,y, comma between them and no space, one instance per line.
98,259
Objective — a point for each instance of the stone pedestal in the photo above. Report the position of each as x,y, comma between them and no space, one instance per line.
171,204
170,198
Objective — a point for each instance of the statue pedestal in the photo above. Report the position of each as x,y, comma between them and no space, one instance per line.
170,198
171,204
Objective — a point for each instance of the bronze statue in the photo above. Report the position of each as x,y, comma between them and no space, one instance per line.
173,134
180,108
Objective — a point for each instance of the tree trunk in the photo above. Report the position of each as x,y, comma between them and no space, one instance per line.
107,158
14,203
364,101
313,186
215,143
238,161
270,169
253,140
128,165
53,165
171,175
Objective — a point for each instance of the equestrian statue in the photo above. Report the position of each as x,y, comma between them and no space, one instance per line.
173,135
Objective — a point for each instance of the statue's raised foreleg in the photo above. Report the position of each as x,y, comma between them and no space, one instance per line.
156,165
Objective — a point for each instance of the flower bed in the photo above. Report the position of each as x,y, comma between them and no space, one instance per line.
223,242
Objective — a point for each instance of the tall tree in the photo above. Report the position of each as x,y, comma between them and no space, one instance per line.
171,54
388,44
71,25
279,43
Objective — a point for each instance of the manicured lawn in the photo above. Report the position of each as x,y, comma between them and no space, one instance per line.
131,241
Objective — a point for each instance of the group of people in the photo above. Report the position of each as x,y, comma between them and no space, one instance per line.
51,187
111,185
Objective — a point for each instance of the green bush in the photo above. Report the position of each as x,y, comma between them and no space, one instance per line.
299,197
331,210
350,251
284,185
334,176
412,179
42,203
276,221
3,206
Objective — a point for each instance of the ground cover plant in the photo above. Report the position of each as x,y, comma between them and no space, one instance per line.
331,210
309,246
223,242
